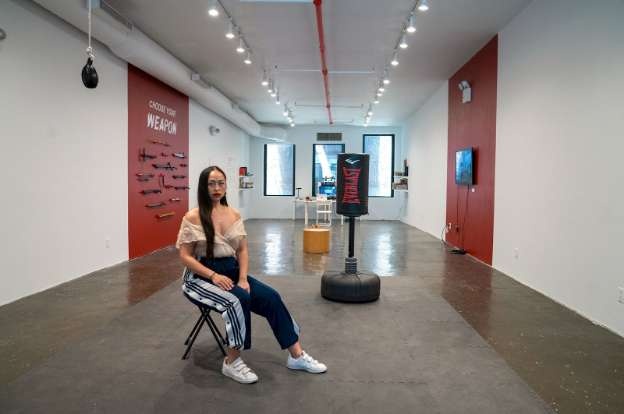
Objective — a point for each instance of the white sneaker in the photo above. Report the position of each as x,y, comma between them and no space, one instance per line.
306,363
239,371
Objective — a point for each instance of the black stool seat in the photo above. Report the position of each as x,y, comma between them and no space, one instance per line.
204,317
346,287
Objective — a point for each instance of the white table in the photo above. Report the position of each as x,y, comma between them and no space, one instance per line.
305,207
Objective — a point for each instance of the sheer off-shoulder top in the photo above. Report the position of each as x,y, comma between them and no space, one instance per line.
225,245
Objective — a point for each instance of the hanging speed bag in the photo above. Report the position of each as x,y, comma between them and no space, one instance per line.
352,185
89,75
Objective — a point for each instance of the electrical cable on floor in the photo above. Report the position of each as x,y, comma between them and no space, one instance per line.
461,250
443,236
457,250
463,235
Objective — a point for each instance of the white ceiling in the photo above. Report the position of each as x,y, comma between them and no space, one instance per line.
360,36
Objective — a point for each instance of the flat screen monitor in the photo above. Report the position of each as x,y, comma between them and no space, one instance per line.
327,189
464,167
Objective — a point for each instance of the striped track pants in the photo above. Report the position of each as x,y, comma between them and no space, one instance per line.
235,305
220,300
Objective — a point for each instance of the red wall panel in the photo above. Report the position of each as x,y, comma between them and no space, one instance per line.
473,125
156,112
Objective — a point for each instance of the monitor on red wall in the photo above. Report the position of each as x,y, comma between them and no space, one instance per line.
464,167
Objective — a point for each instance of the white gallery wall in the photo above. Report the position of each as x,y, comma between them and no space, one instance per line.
426,140
228,149
65,154
304,137
559,205
64,210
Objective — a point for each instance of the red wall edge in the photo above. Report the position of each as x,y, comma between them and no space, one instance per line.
147,97
473,125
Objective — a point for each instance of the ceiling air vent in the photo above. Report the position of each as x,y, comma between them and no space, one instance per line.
329,136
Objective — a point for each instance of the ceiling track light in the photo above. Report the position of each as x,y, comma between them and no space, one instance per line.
241,46
423,6
403,42
230,32
285,113
395,58
234,31
376,100
212,9
411,24
386,78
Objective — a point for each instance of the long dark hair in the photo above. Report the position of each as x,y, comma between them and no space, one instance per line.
205,207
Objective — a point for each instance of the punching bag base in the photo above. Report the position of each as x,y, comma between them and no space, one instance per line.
353,288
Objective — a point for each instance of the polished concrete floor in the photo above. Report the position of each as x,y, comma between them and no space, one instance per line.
448,334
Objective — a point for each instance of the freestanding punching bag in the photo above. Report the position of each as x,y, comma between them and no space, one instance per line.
351,201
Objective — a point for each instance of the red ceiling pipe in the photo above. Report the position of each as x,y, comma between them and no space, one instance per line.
321,35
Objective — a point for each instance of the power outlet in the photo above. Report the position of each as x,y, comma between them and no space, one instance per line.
516,253
621,296
107,243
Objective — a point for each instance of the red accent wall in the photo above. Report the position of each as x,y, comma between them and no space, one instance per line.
473,125
155,112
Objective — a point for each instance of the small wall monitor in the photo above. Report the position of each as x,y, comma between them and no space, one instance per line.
464,167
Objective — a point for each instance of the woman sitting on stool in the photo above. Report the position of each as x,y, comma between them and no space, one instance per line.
213,247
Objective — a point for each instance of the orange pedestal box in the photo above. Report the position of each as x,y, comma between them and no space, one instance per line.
316,240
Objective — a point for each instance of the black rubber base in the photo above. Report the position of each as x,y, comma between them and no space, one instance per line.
342,287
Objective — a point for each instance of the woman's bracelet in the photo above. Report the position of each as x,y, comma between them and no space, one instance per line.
213,273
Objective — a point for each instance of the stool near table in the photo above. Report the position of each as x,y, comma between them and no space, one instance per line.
316,240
